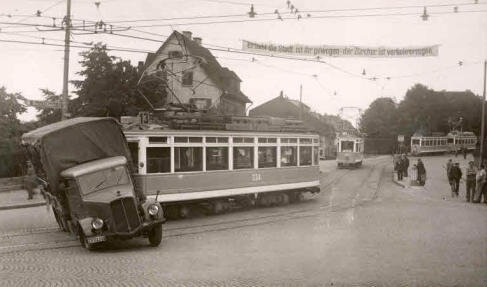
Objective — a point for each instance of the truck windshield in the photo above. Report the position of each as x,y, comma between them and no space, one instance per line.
102,179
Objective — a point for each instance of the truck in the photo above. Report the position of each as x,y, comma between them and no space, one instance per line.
85,171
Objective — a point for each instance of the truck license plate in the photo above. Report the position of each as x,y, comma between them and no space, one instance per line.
96,239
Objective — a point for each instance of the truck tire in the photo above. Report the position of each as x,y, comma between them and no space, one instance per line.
155,235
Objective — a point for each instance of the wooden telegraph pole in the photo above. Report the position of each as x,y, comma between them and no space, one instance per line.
482,125
67,26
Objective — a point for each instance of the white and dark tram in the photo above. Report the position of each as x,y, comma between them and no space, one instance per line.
454,141
181,167
350,150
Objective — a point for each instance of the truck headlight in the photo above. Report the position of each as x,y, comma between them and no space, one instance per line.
97,223
153,209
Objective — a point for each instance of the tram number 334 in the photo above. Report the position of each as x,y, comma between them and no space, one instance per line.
256,177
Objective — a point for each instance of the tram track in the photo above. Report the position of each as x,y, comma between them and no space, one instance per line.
299,212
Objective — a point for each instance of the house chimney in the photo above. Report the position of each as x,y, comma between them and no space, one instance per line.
140,66
187,34
197,40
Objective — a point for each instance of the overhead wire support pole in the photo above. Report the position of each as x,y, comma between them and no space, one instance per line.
482,125
67,25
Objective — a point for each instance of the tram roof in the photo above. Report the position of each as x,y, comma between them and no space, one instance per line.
158,132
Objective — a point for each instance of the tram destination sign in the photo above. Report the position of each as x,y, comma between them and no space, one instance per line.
342,51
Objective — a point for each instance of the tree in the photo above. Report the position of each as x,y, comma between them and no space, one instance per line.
11,156
380,119
108,87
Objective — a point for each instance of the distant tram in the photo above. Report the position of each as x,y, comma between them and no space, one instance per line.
452,142
181,167
350,151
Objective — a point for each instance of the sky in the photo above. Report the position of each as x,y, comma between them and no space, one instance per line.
334,87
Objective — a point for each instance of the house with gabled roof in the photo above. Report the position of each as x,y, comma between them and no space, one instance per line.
192,75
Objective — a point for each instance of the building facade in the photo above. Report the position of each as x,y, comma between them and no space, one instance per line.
192,75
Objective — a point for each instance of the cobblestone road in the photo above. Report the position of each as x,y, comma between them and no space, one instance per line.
361,230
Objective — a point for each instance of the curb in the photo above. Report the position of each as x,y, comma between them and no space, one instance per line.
23,205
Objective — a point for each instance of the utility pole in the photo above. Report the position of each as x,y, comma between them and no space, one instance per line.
482,125
67,26
301,102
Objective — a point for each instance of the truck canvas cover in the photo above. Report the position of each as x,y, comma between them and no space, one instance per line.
65,144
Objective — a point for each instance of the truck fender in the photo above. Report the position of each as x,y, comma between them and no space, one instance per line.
147,217
85,225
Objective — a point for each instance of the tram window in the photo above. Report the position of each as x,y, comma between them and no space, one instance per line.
211,139
289,156
188,159
316,159
304,140
304,155
195,139
158,159
267,157
222,140
450,140
284,140
267,140
157,139
216,158
243,157
415,141
134,152
315,140
347,146
180,139
243,140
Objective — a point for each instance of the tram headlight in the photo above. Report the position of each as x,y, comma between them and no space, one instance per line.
97,223
153,209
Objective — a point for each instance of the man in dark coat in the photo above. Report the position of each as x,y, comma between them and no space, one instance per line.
399,168
456,175
405,161
421,172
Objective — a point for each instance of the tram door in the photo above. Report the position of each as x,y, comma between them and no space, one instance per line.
134,152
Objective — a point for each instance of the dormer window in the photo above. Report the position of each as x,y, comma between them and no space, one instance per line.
187,78
175,54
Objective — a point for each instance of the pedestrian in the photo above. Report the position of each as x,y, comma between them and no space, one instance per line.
456,175
479,184
456,151
449,164
405,164
399,168
470,182
484,188
30,181
421,170
464,150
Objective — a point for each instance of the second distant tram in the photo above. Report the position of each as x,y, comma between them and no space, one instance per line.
350,151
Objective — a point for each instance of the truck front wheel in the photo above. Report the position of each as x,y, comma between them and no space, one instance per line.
155,235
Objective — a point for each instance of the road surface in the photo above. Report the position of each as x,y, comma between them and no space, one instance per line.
361,230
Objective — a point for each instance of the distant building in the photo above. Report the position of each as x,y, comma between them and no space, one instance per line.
192,75
283,107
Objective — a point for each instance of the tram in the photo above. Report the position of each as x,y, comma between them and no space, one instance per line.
179,166
452,142
350,151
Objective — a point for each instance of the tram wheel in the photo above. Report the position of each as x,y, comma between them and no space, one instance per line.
217,207
284,199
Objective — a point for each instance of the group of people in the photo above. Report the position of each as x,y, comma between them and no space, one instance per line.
475,181
401,165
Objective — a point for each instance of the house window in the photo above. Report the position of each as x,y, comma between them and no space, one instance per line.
200,103
175,54
187,78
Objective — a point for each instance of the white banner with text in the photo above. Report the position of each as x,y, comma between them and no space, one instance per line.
341,51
